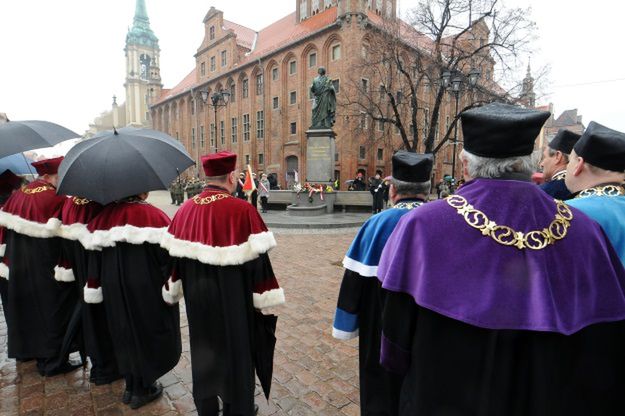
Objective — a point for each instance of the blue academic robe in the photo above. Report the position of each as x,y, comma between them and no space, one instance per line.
359,309
609,212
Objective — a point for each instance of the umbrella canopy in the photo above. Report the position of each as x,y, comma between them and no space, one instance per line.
20,136
18,164
117,164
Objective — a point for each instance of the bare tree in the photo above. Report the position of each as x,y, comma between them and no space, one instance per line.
398,84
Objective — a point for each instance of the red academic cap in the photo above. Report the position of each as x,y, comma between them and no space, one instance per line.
219,164
48,166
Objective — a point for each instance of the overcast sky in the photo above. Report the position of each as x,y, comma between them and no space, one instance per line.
63,60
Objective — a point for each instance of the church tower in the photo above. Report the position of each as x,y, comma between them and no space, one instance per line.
143,79
528,96
308,8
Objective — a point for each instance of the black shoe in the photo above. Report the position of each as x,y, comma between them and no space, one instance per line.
155,392
67,367
126,397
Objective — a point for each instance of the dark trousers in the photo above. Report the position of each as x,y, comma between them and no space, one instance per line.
264,204
255,199
210,407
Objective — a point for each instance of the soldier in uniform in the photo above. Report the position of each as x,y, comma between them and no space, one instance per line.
359,309
595,174
554,161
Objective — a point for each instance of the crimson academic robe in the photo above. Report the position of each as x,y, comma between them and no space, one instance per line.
72,266
126,271
39,306
219,244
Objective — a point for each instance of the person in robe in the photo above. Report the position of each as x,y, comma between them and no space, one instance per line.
9,182
72,267
220,247
596,176
39,307
555,159
126,270
359,306
501,300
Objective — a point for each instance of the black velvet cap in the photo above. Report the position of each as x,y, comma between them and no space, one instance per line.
500,131
602,147
412,167
564,141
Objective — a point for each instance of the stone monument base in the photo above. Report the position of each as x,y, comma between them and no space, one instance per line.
302,206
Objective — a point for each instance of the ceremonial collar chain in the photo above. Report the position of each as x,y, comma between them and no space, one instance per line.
560,176
80,201
198,200
408,204
507,236
602,190
38,189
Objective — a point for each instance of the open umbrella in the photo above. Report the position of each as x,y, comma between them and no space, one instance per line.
18,164
120,163
20,136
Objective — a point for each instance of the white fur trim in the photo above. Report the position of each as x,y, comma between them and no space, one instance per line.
93,295
61,274
273,297
220,256
360,268
74,232
4,271
123,234
3,249
338,334
174,294
30,228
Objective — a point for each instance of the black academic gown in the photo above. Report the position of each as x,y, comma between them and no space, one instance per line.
458,369
40,308
145,330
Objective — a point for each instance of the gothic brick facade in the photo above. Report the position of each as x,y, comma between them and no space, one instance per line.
268,75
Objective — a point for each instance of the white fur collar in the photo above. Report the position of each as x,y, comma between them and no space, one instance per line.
123,234
74,232
30,228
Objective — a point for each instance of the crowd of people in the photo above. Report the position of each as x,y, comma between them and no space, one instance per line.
504,298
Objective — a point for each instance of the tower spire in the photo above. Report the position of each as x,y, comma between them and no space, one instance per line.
141,13
141,33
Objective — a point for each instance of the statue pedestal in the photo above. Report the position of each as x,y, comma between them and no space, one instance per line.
320,149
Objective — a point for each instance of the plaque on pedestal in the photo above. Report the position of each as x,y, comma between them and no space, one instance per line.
320,149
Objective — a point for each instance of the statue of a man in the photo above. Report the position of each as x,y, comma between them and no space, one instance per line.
324,106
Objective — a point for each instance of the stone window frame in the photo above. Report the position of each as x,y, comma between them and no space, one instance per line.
333,47
293,97
293,67
261,159
260,84
234,129
260,124
211,33
222,132
247,159
293,128
203,69
233,93
192,137
213,64
246,127
202,137
212,135
224,58
245,87
362,152
310,58
275,103
380,155
275,74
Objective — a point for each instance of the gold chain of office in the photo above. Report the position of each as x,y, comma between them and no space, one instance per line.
80,201
507,236
607,190
210,199
32,191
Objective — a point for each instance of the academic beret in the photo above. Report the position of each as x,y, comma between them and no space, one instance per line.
602,147
412,167
564,141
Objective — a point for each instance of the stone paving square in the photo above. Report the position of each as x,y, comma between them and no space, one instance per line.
314,374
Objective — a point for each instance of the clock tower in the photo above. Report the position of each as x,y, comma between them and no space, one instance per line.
143,79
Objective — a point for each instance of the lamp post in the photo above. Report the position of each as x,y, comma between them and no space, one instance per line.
217,99
456,83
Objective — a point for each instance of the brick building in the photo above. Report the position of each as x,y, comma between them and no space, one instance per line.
268,76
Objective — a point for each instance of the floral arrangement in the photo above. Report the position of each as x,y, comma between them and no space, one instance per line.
312,189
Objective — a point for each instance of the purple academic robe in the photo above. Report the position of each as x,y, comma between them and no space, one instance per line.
480,328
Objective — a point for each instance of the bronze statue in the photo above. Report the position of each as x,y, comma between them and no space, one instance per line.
324,106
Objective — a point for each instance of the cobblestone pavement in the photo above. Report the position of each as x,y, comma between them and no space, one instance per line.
313,373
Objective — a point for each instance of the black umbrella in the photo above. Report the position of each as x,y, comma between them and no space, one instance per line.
20,136
120,163
264,347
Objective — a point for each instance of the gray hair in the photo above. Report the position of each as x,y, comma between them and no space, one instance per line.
486,167
411,188
551,152
220,178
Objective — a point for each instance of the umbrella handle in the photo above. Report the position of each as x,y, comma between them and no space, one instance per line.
28,164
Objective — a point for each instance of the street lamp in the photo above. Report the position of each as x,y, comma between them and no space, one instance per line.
456,83
217,99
